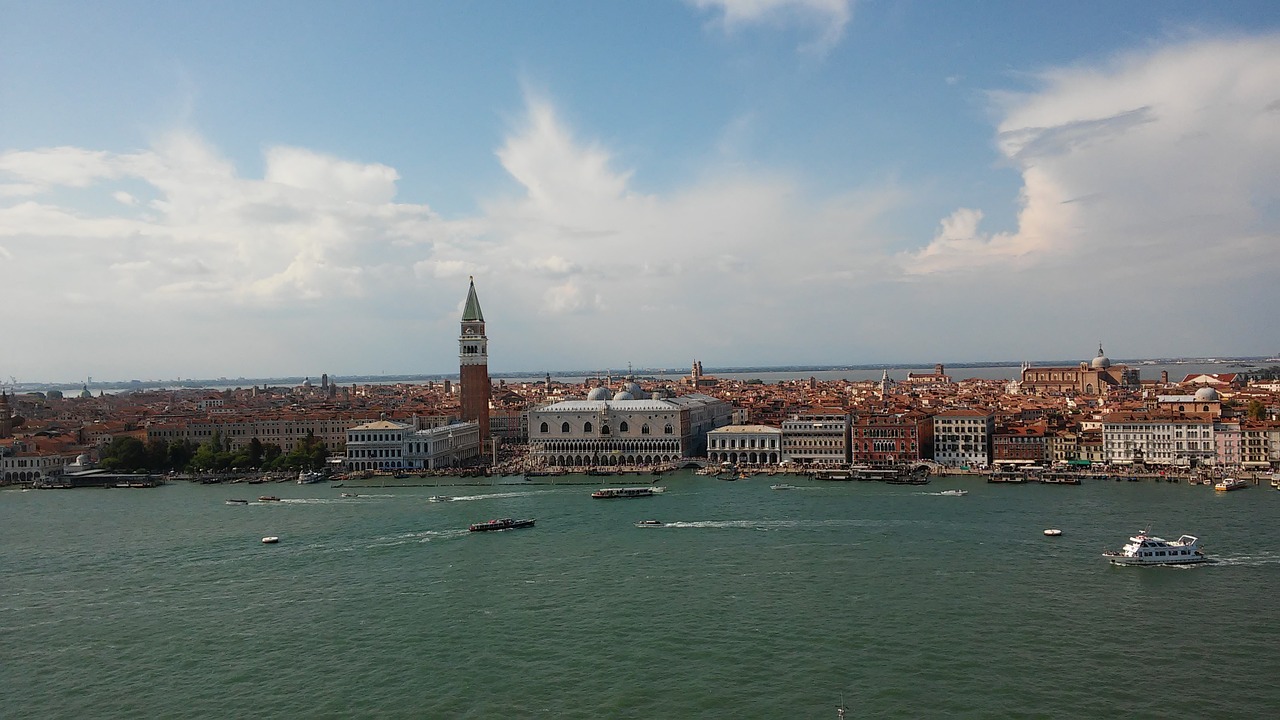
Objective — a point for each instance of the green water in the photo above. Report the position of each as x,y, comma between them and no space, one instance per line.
748,603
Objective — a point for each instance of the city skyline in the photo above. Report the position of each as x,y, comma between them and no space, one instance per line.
244,191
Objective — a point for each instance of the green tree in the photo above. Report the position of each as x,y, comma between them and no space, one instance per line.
124,453
1256,410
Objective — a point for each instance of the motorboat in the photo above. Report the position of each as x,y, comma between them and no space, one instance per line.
650,523
782,486
270,540
1146,549
440,498
503,524
348,495
954,493
626,492
1053,532
1231,484
307,477
268,498
234,501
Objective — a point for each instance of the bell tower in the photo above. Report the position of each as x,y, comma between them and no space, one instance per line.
473,360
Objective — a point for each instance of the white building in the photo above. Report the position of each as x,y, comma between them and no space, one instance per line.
387,445
751,444
1174,440
623,430
816,439
963,437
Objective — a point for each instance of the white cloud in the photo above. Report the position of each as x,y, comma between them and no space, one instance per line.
828,17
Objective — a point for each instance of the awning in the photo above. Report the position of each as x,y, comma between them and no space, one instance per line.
1079,462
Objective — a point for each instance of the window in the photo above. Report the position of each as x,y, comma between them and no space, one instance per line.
564,428
644,429
586,427
622,426
544,427
668,430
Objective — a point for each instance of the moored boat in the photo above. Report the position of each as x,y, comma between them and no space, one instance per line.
1145,549
1228,484
503,524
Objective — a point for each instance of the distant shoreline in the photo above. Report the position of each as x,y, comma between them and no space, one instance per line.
1227,363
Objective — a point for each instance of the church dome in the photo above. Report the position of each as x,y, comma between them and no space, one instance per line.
600,393
624,395
1207,394
1102,362
633,388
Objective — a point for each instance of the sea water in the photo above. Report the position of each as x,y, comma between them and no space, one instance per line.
747,602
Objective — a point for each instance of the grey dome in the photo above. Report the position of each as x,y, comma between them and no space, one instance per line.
633,388
1102,362
624,395
1207,394
600,393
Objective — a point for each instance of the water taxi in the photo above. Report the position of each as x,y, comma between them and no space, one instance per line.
268,498
1231,484
954,493
440,498
1145,549
650,523
503,524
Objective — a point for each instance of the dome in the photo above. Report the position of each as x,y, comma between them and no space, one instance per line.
624,395
600,393
306,382
82,459
633,388
1102,362
1206,394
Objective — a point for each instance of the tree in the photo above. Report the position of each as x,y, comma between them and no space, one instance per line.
124,453
1256,410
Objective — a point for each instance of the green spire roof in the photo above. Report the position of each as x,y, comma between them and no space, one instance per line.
471,312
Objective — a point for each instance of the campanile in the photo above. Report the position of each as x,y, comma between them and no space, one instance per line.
473,360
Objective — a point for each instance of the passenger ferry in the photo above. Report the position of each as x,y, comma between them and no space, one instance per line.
1231,484
626,492
1144,549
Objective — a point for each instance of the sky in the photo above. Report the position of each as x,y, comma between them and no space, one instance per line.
268,189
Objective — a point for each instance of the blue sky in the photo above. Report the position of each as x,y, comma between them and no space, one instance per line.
227,189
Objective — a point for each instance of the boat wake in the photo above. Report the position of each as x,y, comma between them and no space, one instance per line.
762,524
494,496
1259,560
423,536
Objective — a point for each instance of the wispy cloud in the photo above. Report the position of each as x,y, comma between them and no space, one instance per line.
828,18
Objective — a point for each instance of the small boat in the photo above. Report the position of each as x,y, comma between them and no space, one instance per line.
440,498
954,493
306,478
1146,549
270,540
268,498
349,495
650,523
782,486
503,524
234,501
1231,484
1053,532
627,492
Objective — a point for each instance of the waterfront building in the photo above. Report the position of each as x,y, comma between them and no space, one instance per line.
939,375
1020,445
750,444
1227,442
963,437
820,437
473,360
1155,439
890,437
1254,450
388,445
1089,378
623,430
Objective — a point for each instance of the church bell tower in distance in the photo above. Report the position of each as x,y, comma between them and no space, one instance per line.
473,360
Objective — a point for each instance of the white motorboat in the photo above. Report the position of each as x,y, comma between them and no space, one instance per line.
1146,549
1053,532
954,493
1231,484
270,540
782,486
649,523
440,498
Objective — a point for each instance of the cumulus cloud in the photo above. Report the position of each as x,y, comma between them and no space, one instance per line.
827,17
1148,158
